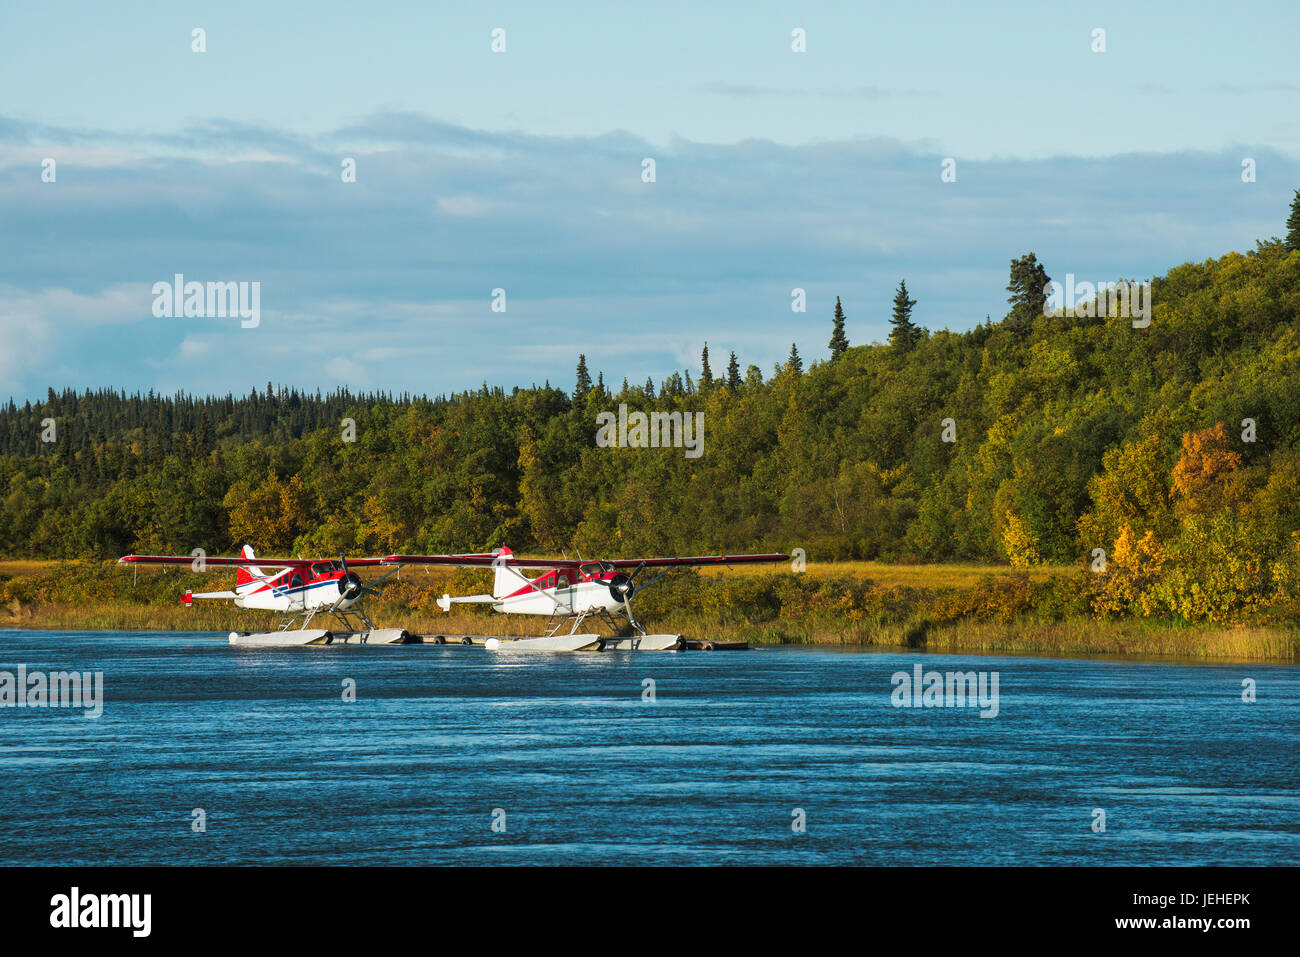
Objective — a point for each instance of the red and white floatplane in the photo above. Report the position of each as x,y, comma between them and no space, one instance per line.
566,592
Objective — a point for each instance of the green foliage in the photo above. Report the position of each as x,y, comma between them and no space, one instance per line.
839,343
793,363
1028,292
1220,541
583,385
904,333
1293,224
733,374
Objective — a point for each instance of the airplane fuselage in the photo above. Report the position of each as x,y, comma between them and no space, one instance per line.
292,591
582,598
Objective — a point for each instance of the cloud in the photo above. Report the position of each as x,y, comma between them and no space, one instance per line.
390,279
346,371
193,348
24,341
47,327
467,206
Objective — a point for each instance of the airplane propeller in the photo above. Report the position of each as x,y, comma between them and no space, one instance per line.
351,587
623,586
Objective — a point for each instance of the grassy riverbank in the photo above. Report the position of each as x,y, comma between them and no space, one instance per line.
948,608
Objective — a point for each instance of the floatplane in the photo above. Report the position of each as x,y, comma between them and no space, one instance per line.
298,589
571,591
567,592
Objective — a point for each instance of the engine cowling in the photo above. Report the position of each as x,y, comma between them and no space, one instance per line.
622,587
350,587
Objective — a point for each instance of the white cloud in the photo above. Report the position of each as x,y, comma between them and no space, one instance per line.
466,206
122,302
347,371
41,327
193,348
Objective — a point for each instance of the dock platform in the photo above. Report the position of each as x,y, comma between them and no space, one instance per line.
607,643
506,643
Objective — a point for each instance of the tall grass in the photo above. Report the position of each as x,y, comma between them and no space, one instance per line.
944,575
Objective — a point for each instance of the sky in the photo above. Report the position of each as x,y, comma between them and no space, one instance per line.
523,171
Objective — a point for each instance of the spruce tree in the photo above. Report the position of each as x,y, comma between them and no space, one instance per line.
706,374
733,374
1028,292
584,379
1293,224
649,388
794,362
904,334
203,437
839,341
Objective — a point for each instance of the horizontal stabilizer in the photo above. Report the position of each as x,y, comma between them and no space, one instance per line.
189,596
446,601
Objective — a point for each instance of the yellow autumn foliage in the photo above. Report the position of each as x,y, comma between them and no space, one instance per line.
1019,544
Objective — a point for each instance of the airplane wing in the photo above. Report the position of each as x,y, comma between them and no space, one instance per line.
699,560
240,562
515,561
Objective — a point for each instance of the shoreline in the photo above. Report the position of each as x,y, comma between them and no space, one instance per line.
1164,645
834,608
822,647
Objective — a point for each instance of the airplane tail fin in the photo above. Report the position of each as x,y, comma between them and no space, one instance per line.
250,575
506,580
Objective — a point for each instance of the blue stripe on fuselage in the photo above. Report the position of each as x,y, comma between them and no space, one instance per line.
280,591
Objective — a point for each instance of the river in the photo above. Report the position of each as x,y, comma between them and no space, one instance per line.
209,754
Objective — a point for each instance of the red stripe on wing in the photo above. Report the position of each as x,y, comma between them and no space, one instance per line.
488,561
243,562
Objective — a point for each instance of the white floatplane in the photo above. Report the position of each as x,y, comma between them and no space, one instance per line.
297,588
573,590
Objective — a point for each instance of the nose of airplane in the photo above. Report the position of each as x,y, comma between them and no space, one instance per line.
621,587
350,586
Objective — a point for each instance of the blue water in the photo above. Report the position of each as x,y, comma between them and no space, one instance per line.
711,772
